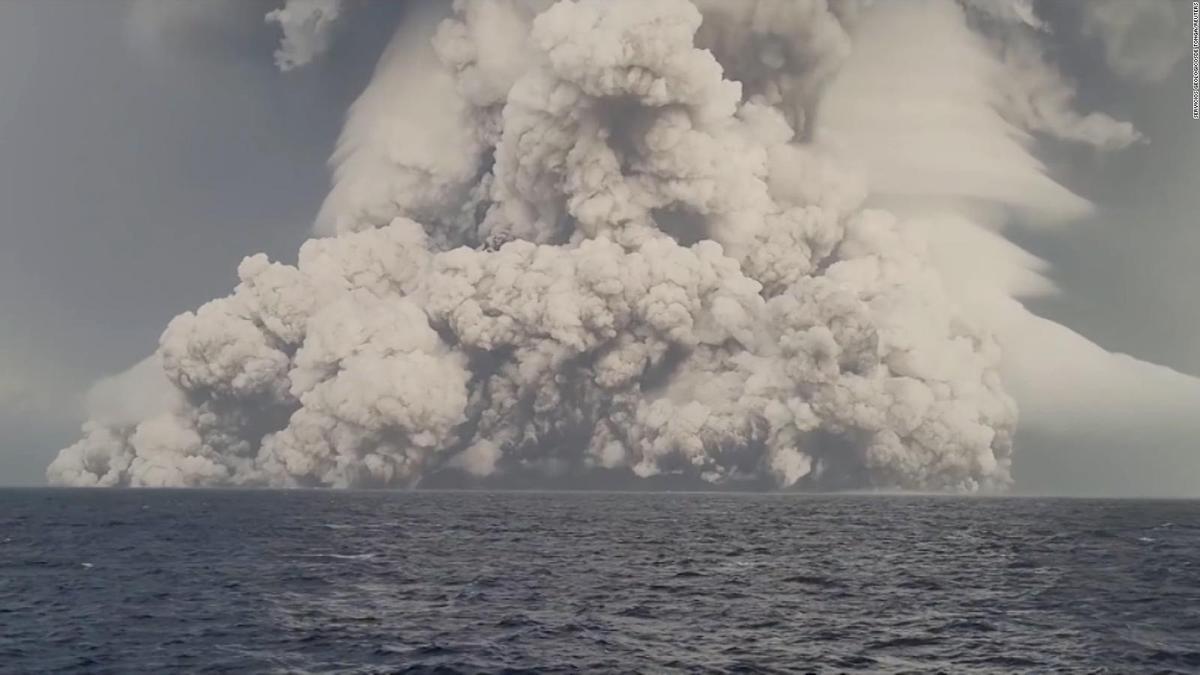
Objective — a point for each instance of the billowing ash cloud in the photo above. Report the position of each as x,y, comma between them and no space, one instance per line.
592,234
306,25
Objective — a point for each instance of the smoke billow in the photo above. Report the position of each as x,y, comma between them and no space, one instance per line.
583,235
306,25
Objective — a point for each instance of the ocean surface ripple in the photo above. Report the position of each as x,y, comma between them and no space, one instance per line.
446,582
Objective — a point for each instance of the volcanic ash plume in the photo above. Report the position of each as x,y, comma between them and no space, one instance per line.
581,236
306,25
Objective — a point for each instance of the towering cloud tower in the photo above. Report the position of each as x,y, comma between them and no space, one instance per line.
580,236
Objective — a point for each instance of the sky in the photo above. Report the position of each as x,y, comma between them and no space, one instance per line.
146,147
142,155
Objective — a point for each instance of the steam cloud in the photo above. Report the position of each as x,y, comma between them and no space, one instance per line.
593,234
305,25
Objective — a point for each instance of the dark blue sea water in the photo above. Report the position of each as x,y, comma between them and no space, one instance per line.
215,581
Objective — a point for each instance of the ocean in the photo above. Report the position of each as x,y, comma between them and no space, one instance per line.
130,581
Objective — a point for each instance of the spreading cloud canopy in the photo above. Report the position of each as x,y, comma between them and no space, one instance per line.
643,236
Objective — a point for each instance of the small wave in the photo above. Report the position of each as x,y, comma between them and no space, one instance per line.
857,661
638,611
909,641
337,556
965,625
920,584
810,580
515,621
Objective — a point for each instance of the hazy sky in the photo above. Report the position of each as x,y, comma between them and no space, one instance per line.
142,155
